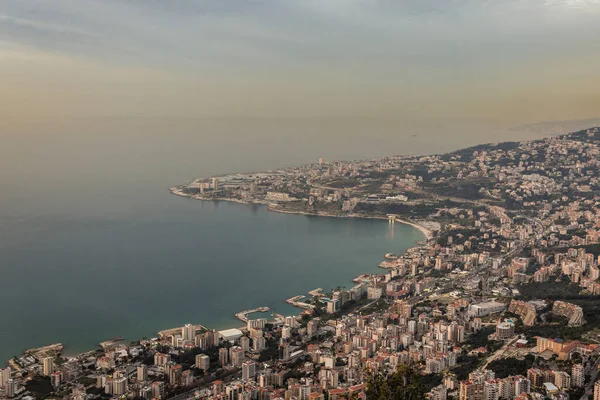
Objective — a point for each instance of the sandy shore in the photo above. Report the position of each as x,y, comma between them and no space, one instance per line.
426,231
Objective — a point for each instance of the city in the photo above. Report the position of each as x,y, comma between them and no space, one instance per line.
500,301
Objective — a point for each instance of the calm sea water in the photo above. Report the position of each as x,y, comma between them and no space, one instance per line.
83,280
93,246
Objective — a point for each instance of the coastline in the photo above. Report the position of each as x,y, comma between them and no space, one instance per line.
428,233
425,231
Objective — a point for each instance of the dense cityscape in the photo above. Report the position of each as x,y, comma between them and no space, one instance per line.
500,301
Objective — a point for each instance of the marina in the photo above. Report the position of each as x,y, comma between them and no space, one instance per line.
295,301
243,315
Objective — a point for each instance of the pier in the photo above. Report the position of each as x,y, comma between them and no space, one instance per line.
243,315
295,301
278,318
364,278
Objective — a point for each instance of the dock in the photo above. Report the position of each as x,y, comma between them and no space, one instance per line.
364,278
112,344
389,264
278,318
295,301
316,292
243,315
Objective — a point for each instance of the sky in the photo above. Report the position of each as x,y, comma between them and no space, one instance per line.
511,60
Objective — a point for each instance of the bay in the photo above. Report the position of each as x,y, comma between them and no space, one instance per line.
93,245
83,280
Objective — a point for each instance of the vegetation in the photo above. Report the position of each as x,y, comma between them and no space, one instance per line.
404,384
39,386
591,313
480,338
551,290
464,365
271,350
511,366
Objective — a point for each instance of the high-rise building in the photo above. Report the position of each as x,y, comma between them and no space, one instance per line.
4,376
491,390
188,332
161,359
286,332
142,373
257,323
56,379
11,388
577,375
469,390
48,366
215,184
291,321
259,343
187,378
203,362
212,337
237,356
597,390
245,343
536,377
439,393
175,375
78,392
312,327
248,370
223,356
120,386
284,351
562,380
158,389
145,392
202,342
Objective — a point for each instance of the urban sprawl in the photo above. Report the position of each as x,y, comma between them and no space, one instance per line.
500,301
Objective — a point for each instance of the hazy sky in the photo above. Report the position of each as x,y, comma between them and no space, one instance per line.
525,60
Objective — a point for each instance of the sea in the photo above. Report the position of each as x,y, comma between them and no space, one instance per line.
93,246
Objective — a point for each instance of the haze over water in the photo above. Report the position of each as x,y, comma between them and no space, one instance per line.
93,246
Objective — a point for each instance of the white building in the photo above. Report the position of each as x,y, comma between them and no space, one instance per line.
4,376
248,370
48,366
230,335
374,292
487,308
237,356
202,362
142,373
188,333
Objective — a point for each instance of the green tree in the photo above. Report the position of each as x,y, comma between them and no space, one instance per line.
404,384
